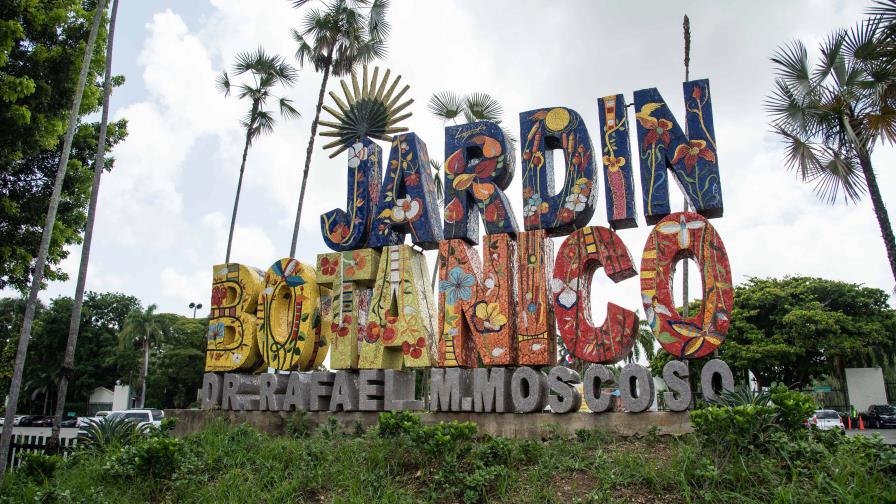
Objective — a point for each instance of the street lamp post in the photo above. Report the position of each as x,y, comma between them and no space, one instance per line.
195,306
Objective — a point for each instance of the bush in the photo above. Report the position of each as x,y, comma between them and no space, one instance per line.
299,425
793,407
722,430
37,466
108,434
154,458
397,423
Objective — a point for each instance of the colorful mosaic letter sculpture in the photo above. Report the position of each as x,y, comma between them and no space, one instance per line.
561,213
347,229
617,162
350,275
536,334
231,327
478,167
289,320
477,305
578,258
407,201
400,328
686,235
693,157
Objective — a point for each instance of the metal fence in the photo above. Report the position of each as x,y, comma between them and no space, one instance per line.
34,439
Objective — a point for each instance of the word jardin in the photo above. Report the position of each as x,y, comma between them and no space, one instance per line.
369,306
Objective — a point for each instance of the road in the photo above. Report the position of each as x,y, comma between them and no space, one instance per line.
889,435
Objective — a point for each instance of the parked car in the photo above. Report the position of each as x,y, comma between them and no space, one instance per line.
881,415
144,417
825,420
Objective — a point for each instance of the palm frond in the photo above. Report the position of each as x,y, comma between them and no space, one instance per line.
287,109
264,124
437,179
793,66
445,105
222,83
839,178
482,107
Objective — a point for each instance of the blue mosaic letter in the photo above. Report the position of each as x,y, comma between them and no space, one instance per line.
545,130
693,157
347,230
407,201
478,167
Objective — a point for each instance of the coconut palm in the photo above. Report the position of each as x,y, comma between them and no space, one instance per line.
68,360
142,328
265,72
832,115
40,263
335,40
643,343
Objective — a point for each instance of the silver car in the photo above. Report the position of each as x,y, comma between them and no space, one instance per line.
826,420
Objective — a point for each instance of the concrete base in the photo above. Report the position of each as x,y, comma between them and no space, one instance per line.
532,426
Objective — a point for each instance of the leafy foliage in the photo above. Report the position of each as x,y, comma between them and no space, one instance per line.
796,329
342,35
108,434
41,46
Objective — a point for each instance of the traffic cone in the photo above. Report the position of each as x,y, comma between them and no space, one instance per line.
849,423
861,424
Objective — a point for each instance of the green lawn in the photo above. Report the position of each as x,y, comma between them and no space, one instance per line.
402,461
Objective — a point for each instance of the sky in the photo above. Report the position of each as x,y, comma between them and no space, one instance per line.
164,210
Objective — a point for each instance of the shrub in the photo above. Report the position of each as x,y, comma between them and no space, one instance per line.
37,466
397,423
153,457
108,434
299,425
444,438
723,430
793,407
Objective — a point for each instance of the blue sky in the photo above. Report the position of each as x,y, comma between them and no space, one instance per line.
164,210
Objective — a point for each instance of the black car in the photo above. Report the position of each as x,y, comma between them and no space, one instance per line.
882,415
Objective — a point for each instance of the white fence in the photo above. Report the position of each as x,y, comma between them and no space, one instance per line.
34,439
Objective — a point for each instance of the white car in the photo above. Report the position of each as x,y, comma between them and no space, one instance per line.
143,417
825,420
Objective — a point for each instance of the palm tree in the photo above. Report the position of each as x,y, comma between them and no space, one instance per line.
265,71
142,328
335,40
68,361
40,263
832,115
643,343
449,106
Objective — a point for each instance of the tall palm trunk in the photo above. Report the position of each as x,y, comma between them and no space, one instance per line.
145,372
74,327
880,210
15,385
239,184
320,104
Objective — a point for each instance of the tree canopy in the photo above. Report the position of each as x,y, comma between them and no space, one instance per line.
798,329
41,46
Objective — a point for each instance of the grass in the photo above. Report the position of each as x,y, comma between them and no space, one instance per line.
403,461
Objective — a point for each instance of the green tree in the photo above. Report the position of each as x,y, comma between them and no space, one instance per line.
177,367
265,71
40,261
832,115
643,343
797,329
42,44
335,40
142,328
